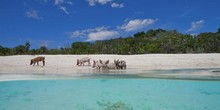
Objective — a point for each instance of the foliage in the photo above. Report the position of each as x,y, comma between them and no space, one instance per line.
4,51
152,41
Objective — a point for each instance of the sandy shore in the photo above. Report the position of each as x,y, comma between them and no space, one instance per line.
66,64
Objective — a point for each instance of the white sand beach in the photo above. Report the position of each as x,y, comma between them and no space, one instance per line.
66,64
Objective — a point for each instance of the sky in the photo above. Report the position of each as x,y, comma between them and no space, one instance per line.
59,23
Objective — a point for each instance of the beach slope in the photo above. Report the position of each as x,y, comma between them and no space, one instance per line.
66,64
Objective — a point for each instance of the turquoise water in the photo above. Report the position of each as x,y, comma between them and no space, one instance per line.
110,94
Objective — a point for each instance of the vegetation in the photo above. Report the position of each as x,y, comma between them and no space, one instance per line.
152,41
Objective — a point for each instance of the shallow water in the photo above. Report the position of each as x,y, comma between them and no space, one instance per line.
184,73
110,94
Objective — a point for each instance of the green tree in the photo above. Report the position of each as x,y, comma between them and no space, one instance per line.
27,45
139,35
80,47
4,51
43,50
19,50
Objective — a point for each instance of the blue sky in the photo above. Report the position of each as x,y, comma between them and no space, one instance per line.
58,23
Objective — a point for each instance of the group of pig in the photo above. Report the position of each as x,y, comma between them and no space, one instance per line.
100,64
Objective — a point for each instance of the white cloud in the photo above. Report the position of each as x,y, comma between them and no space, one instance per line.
62,5
101,35
58,2
102,2
91,2
196,25
62,2
98,33
76,34
64,9
85,32
117,5
137,24
33,14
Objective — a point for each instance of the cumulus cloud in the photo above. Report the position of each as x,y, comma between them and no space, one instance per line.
137,24
98,33
101,35
117,5
33,14
195,26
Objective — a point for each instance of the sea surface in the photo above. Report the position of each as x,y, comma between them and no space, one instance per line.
112,93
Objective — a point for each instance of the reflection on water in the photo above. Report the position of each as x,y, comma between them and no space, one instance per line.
190,74
176,71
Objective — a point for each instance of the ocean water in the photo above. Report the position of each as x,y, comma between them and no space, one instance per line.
110,94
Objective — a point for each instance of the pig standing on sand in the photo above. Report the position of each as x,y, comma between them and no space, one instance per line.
36,60
81,61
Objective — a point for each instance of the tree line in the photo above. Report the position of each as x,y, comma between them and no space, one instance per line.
152,41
